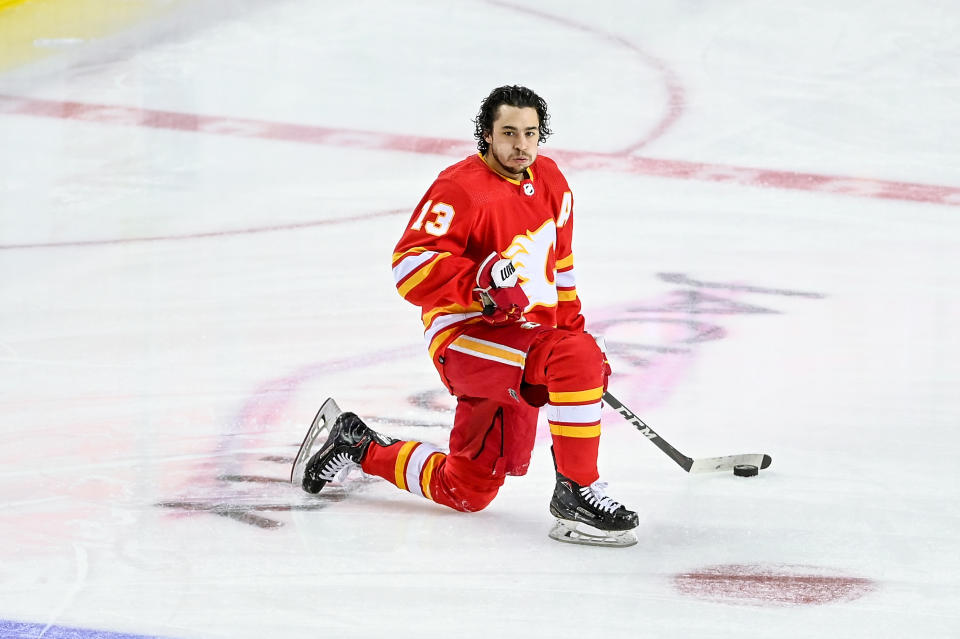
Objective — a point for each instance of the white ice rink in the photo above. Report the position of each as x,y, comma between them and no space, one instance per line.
197,215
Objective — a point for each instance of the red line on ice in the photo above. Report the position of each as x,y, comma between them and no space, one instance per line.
573,160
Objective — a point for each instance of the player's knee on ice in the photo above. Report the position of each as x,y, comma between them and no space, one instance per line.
470,487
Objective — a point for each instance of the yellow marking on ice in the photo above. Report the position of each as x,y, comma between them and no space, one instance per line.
34,29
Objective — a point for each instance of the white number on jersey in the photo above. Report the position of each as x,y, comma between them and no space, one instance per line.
438,225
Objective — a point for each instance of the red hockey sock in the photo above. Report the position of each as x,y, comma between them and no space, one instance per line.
454,481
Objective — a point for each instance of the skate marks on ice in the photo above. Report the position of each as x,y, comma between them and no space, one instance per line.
247,498
772,585
253,497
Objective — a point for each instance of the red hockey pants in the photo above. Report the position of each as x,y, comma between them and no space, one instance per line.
500,377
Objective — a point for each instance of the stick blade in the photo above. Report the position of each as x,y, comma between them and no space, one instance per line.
726,464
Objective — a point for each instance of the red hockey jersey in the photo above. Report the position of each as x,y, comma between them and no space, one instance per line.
471,211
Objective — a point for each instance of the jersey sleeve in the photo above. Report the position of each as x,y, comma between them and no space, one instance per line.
429,266
568,302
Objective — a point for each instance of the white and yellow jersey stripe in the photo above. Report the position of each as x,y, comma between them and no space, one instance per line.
566,279
490,351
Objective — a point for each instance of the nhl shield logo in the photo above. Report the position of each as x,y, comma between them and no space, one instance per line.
528,188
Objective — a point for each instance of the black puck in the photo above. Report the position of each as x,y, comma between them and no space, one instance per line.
745,470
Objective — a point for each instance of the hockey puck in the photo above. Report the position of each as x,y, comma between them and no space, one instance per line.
745,470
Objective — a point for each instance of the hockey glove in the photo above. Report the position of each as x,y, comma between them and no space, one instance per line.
498,290
607,371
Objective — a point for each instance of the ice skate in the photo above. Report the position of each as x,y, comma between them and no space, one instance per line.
344,448
585,515
322,423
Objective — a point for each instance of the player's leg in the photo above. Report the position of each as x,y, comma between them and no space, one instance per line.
470,475
494,428
571,366
423,470
409,465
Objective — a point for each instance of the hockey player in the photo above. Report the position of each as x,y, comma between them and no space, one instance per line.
487,257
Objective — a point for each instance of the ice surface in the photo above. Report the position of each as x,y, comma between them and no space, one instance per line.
196,221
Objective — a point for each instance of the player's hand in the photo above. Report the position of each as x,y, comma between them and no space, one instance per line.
498,290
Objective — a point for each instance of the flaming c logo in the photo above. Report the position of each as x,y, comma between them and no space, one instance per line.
533,255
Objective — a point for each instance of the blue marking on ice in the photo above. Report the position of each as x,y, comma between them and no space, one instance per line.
23,630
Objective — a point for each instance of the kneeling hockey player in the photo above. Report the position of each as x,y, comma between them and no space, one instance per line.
487,257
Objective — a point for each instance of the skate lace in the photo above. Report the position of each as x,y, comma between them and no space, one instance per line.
596,497
335,466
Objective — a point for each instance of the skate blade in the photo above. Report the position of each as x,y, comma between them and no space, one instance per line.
322,423
571,532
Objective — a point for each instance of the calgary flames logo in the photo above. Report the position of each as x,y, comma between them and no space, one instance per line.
533,255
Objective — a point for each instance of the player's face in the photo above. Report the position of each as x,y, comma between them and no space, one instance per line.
513,140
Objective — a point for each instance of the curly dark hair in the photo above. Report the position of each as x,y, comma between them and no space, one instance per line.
516,96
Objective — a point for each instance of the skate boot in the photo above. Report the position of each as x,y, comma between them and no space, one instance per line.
585,515
344,449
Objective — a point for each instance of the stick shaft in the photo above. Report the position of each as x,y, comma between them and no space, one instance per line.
685,462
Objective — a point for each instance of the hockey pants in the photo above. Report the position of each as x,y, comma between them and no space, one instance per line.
500,377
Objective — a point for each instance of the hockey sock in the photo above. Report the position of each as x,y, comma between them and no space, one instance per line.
574,418
450,480
408,465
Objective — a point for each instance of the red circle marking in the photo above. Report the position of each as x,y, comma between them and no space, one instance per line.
772,585
676,98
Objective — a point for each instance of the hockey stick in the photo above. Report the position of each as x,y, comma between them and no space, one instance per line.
703,465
